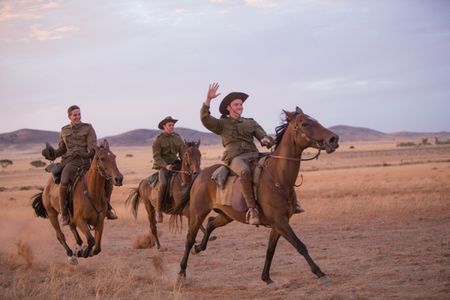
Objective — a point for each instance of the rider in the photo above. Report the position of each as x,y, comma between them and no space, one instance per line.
75,147
237,135
167,150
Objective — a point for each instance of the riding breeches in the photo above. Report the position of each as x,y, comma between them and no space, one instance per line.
240,166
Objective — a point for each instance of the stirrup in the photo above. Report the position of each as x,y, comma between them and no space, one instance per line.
252,216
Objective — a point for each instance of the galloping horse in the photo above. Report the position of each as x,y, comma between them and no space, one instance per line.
89,203
179,186
275,191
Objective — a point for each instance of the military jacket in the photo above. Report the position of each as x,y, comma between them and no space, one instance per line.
237,134
167,148
76,143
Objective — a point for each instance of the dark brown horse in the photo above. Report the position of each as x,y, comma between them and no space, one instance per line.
275,191
89,203
179,186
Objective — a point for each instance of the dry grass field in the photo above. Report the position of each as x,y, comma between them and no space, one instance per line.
377,222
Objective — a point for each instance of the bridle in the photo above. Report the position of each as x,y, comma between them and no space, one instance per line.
297,130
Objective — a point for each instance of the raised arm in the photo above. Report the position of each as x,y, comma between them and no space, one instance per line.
212,93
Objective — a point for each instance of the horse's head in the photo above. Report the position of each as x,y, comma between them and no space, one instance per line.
106,162
308,132
191,158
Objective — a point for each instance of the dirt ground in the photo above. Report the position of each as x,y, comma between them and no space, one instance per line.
377,221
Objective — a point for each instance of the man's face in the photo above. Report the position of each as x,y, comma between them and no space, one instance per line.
235,108
169,127
75,116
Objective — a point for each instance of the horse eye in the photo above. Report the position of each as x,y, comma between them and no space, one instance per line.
305,124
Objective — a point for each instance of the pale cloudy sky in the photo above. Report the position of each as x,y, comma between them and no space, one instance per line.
381,64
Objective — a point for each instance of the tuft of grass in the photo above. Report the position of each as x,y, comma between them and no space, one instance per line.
38,163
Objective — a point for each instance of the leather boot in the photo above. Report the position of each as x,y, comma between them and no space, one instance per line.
110,213
161,194
297,208
63,205
252,216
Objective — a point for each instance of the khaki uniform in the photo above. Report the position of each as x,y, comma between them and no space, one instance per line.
76,143
167,148
74,147
237,135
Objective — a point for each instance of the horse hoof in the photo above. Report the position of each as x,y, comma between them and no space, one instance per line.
162,249
324,280
195,251
73,260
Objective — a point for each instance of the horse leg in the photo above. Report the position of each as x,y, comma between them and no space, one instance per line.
90,239
151,214
195,221
213,223
202,228
273,240
53,217
286,231
98,236
78,239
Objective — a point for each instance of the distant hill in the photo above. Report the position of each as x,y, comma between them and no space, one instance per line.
28,136
350,133
144,137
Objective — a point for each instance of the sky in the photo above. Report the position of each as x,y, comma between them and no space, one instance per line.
381,64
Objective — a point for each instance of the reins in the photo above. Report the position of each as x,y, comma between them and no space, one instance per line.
296,159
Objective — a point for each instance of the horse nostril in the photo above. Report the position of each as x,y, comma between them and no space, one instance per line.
118,179
334,140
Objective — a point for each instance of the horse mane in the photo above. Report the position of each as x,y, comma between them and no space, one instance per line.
191,144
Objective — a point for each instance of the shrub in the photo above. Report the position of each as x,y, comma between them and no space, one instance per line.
406,144
5,162
38,163
129,155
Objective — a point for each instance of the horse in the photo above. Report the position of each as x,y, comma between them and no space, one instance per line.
275,192
89,203
179,186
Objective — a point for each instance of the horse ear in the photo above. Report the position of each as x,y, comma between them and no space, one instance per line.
298,110
289,115
105,144
95,147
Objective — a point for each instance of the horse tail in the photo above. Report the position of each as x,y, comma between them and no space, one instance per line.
38,206
134,199
176,223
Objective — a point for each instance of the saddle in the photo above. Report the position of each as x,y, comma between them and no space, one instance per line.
229,192
55,169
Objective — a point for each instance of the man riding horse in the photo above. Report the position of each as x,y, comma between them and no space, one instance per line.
75,147
168,148
237,135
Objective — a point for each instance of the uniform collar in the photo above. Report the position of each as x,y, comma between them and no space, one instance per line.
73,126
238,120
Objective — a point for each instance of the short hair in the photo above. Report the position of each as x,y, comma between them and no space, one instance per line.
72,108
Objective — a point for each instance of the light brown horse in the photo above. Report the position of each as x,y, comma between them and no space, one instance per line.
89,203
275,191
179,186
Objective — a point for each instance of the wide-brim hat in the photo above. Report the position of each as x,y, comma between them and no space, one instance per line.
166,120
230,97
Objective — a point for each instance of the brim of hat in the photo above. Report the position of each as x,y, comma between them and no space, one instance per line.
229,98
161,124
